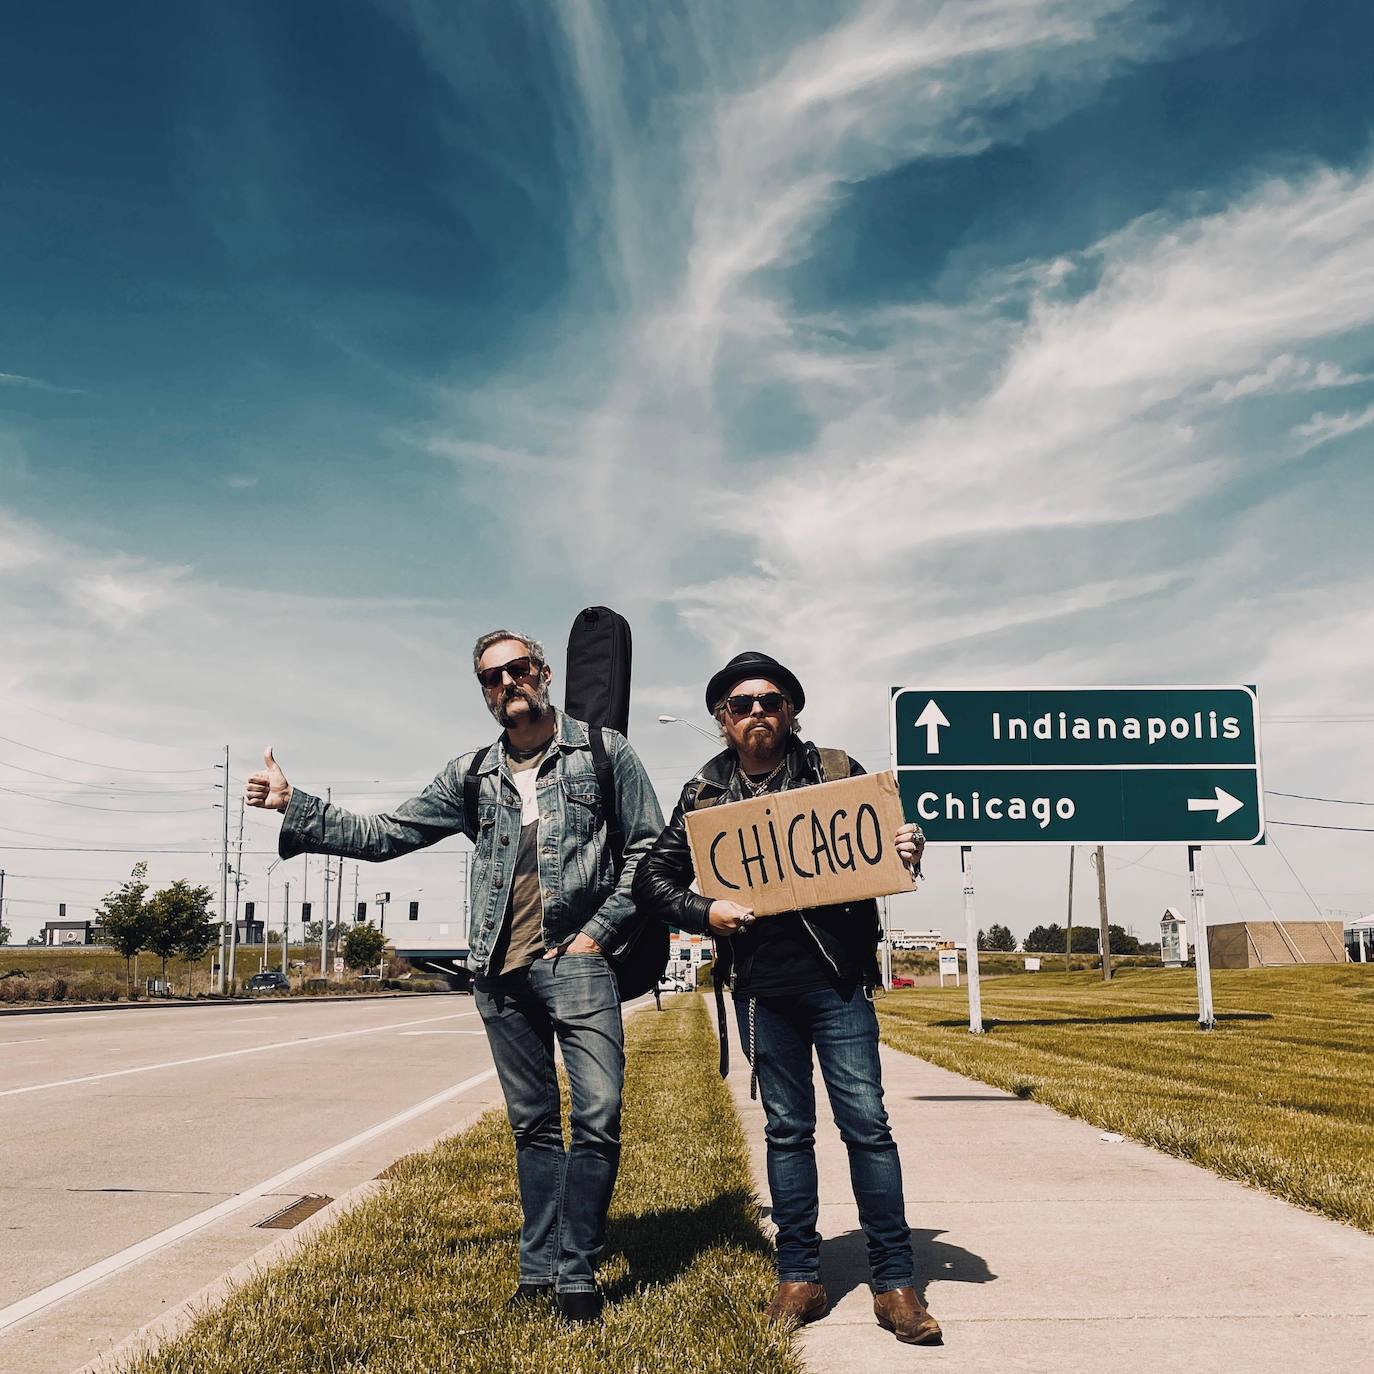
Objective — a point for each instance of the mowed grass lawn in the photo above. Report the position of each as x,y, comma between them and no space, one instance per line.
414,1280
1280,1094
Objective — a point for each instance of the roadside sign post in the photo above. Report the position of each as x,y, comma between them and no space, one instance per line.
975,991
1081,765
1206,1018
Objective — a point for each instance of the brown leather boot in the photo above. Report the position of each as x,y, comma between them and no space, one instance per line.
798,1303
907,1317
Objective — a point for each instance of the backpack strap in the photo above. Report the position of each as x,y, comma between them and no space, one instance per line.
472,783
605,782
834,764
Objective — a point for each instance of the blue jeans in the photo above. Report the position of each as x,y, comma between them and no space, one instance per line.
844,1032
564,1194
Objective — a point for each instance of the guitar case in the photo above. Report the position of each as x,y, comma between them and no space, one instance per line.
598,691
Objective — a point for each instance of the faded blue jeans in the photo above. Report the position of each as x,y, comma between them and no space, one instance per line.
564,1194
844,1032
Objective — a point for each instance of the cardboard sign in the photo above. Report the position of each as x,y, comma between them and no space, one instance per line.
807,847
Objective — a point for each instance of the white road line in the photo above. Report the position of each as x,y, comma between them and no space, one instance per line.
230,1054
444,1032
40,1039
74,1283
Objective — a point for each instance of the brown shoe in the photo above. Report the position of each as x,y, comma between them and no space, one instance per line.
798,1303
906,1316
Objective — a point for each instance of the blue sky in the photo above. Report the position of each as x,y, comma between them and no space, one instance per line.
1009,341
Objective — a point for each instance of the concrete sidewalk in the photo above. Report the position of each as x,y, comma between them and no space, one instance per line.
1042,1247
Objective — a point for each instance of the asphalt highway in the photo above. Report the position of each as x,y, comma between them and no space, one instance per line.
142,1147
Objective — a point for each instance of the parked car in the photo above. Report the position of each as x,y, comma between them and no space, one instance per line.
901,981
270,980
672,983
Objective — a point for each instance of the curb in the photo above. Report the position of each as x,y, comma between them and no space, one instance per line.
75,1009
172,1323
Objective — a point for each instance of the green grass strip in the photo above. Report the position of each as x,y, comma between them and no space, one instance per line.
414,1279
1280,1095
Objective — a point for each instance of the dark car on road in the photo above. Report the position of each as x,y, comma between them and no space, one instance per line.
270,981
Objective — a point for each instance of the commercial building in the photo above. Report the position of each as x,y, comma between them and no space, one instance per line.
1270,944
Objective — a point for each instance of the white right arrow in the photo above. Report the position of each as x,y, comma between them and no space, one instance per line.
931,719
1224,804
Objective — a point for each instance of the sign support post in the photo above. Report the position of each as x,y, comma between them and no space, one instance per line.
975,996
1206,1018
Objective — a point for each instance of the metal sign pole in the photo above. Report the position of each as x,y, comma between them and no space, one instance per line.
1206,1018
975,998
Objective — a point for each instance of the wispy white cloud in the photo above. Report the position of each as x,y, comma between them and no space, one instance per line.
1323,429
17,379
1285,373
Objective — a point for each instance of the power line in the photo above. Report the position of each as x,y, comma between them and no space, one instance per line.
1300,882
114,788
109,767
109,734
86,806
1303,796
1309,825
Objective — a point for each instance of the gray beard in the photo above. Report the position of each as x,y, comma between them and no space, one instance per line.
538,703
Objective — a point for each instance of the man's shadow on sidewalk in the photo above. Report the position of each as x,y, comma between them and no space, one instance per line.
844,1263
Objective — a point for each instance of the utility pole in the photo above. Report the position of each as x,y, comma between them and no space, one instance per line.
2,896
1068,932
223,984
324,915
238,880
286,931
338,907
1106,940
355,892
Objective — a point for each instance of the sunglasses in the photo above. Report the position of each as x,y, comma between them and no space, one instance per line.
525,666
743,704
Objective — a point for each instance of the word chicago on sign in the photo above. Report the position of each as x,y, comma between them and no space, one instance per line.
806,847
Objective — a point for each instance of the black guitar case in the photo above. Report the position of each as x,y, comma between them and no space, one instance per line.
598,692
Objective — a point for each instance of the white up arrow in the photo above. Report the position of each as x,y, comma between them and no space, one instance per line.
1224,804
931,719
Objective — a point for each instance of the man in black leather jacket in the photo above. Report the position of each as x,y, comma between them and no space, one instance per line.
801,980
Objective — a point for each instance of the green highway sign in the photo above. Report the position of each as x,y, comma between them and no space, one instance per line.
1093,765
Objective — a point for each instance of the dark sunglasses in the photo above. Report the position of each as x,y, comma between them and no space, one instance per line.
743,704
525,666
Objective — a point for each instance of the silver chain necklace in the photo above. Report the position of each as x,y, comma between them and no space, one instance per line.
757,789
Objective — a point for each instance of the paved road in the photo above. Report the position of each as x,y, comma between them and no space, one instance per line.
122,1126
1042,1246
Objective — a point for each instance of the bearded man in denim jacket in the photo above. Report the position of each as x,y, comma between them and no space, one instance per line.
547,906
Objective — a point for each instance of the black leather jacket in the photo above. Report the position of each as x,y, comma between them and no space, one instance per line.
846,934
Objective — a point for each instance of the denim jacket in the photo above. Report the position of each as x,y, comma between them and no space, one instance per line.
581,890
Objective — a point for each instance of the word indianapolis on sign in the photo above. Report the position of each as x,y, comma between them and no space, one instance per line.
1092,765
806,847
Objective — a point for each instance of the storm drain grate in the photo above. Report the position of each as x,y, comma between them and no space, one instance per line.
295,1212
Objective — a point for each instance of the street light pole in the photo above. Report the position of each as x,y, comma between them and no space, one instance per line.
691,725
267,919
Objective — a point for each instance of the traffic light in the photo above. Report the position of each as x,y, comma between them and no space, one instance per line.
361,914
415,911
248,909
305,911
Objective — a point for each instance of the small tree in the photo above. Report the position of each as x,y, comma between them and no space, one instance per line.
1046,939
123,919
176,913
363,946
999,938
197,940
1121,942
4,933
1085,939
314,932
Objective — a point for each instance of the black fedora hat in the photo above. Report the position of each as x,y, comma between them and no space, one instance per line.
751,663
